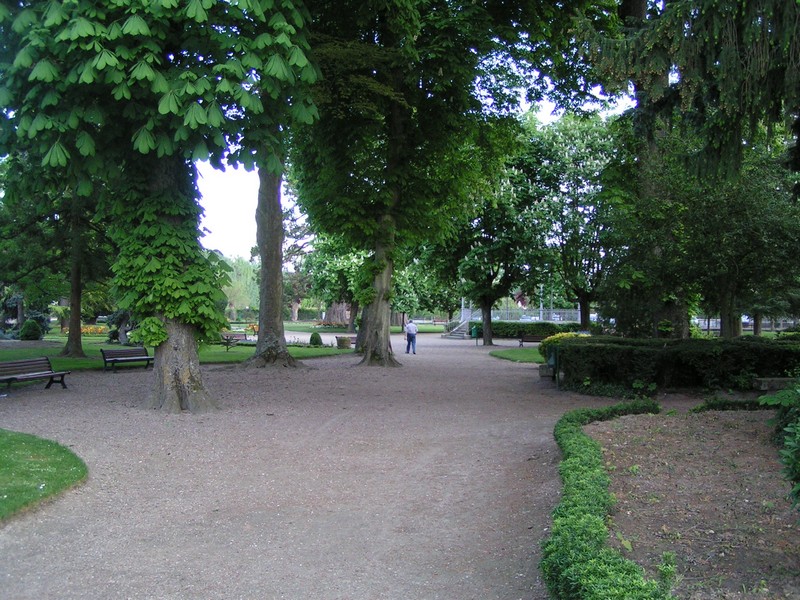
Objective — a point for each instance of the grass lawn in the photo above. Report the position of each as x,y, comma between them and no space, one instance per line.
523,355
33,469
92,344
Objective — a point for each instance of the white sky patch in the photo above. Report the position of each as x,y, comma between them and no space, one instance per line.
229,199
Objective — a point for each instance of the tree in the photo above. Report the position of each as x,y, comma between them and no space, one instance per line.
565,162
402,112
731,63
129,95
746,258
724,245
502,248
59,232
242,293
337,274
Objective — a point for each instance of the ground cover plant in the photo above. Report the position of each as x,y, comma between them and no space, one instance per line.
33,469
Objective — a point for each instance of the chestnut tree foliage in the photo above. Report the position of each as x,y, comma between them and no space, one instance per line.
404,112
126,95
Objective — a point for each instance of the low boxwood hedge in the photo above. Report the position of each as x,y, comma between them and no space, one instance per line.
576,563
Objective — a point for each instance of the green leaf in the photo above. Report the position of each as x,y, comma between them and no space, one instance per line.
297,57
136,25
141,70
44,71
87,74
265,40
82,27
24,58
214,115
278,67
165,146
51,98
57,156
195,116
169,104
121,92
195,10
200,152
143,140
24,22
55,14
85,187
106,58
85,144
160,85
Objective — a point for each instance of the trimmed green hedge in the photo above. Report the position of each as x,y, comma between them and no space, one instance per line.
709,363
576,563
516,329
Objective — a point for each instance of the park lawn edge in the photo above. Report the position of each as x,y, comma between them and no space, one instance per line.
35,471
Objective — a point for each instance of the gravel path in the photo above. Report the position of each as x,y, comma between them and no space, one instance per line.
431,481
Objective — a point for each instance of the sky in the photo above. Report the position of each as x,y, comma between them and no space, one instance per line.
229,199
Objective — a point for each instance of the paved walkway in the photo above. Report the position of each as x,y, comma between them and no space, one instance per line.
431,481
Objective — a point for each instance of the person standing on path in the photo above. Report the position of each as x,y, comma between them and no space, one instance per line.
411,336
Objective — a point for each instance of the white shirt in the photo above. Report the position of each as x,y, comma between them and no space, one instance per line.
411,328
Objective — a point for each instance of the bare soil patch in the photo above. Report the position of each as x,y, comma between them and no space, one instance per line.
707,487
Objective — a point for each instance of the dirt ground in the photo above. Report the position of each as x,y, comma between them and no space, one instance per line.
708,488
435,480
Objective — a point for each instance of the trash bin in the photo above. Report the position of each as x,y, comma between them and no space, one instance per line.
474,331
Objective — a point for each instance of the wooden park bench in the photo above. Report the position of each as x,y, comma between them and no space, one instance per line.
526,337
125,356
30,369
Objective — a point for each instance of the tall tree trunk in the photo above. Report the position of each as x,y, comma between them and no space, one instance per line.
730,319
351,322
757,318
271,345
74,346
337,313
178,385
376,341
584,306
20,311
672,320
486,316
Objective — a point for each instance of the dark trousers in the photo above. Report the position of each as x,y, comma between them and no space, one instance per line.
411,342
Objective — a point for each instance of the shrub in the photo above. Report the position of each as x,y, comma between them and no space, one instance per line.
548,343
30,331
315,340
787,429
43,319
705,363
576,563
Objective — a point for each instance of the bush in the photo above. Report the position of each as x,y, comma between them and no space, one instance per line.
549,342
315,340
787,430
576,563
704,363
30,331
42,318
516,329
